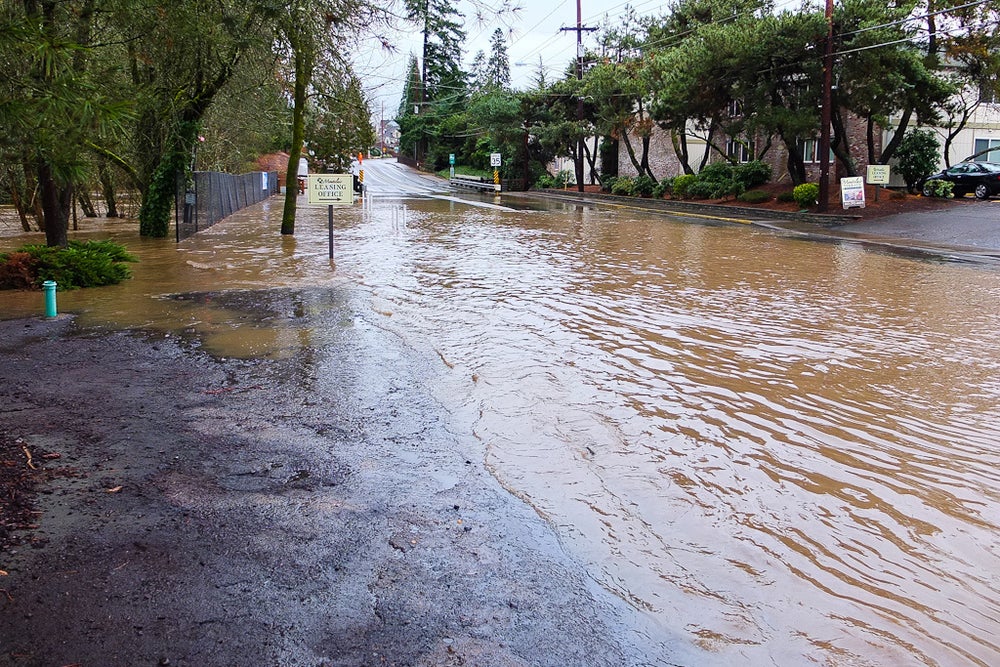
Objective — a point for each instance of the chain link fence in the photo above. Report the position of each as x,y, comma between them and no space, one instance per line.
217,195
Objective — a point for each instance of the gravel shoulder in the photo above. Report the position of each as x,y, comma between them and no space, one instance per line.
313,510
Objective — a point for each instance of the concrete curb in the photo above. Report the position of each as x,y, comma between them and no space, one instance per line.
671,206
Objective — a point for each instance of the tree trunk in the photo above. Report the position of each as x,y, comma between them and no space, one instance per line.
108,188
840,146
591,156
55,207
955,129
631,152
796,165
708,143
86,204
645,156
303,73
679,140
18,201
889,150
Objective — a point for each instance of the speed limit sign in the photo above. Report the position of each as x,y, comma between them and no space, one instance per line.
494,159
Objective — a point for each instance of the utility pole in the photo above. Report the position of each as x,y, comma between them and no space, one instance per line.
580,29
827,113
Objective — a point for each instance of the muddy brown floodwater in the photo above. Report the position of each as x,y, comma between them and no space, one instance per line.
781,451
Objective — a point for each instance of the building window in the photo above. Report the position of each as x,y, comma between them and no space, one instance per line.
984,144
740,151
810,151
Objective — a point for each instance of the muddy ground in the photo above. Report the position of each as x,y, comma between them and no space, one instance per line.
313,510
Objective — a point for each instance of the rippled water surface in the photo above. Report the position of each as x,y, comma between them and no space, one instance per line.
783,452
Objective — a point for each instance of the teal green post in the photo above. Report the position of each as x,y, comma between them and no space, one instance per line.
49,287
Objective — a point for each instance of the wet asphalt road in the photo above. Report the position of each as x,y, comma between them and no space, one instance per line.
972,226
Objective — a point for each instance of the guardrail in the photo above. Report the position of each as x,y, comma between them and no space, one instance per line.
473,182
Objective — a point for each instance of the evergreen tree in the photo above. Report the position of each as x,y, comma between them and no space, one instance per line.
443,35
497,68
477,73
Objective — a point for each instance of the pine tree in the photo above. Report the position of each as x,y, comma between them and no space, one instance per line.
498,66
442,74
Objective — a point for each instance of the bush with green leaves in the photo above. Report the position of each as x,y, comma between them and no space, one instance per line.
754,197
608,183
643,186
663,188
752,174
786,197
938,188
549,181
623,186
681,185
917,156
80,264
806,194
716,172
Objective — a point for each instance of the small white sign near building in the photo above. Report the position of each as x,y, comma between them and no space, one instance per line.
852,192
331,189
878,174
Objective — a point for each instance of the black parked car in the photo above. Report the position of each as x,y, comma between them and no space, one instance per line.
979,178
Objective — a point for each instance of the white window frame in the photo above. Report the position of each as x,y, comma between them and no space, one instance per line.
993,143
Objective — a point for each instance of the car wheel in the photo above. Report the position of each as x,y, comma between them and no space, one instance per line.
982,192
926,191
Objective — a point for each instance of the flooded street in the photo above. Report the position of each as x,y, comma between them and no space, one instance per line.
780,451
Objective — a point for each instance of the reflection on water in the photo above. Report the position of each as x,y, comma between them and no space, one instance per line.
783,450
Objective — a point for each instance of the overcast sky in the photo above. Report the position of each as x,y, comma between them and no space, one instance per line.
533,33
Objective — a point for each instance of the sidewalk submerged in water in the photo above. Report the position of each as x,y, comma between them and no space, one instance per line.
966,232
200,511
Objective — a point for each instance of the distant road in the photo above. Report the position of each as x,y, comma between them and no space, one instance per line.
387,178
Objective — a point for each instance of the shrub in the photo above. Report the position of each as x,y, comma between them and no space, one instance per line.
938,188
664,187
786,197
716,171
754,197
81,264
643,186
714,189
806,194
608,183
752,174
682,183
550,181
18,270
545,181
623,186
917,156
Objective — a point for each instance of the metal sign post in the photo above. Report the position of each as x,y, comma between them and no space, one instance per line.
878,174
330,190
495,163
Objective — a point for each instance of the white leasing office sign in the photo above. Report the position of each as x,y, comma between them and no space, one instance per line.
331,189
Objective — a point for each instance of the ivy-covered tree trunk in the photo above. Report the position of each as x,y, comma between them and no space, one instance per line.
158,202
